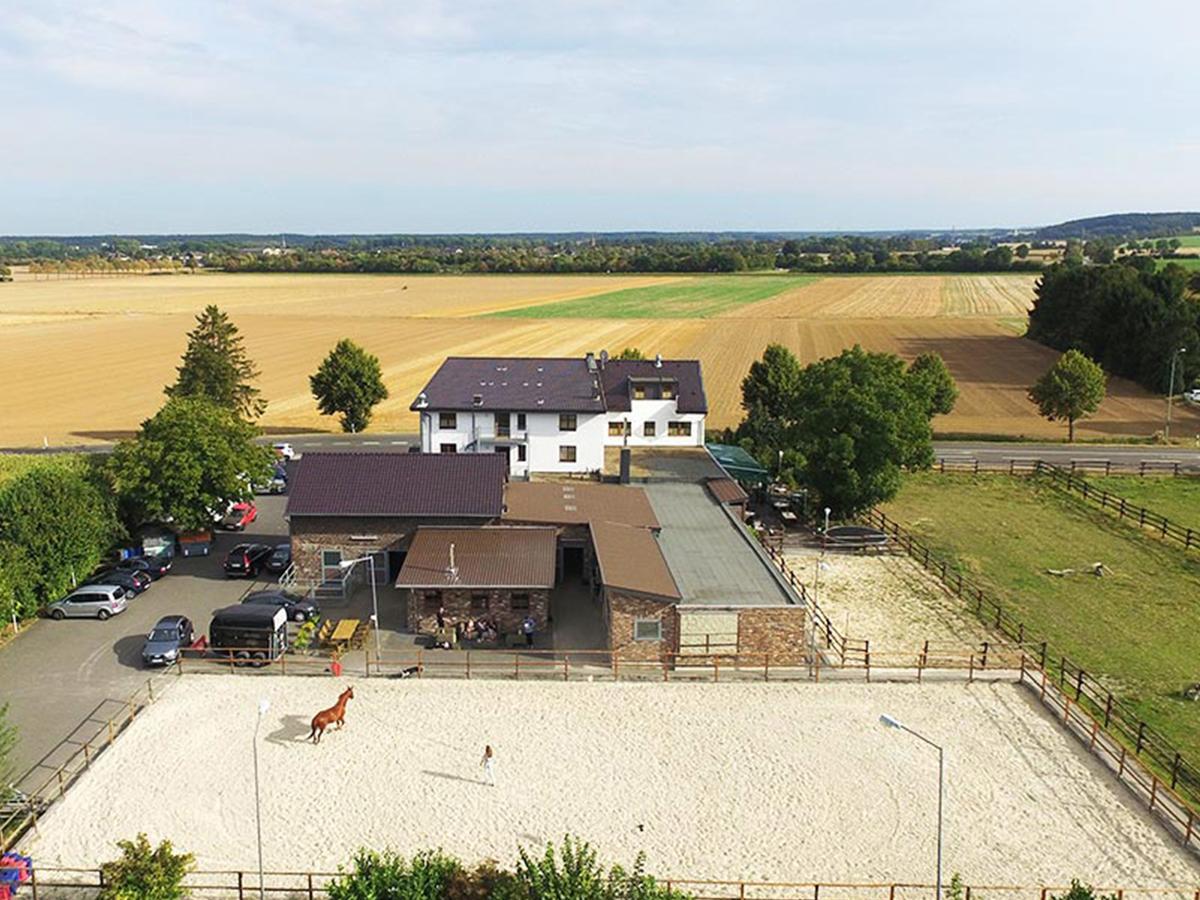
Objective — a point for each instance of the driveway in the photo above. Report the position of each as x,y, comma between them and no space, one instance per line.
63,680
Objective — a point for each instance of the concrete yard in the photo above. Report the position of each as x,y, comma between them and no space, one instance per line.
713,562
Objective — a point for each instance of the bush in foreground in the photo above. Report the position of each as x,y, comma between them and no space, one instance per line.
146,873
572,872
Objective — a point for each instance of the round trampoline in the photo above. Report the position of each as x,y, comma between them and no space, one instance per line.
856,536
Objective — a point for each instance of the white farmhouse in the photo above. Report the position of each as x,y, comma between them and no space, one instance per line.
558,415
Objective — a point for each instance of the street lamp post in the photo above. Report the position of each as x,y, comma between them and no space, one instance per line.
263,705
890,722
1171,391
346,565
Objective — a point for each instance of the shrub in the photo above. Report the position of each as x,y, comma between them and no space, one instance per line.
575,874
1083,892
388,876
146,873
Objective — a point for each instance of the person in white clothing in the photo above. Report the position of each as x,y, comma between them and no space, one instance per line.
489,765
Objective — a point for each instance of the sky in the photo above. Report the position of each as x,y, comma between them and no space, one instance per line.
152,116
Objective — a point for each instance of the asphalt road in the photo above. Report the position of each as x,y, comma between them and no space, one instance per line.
1000,453
64,680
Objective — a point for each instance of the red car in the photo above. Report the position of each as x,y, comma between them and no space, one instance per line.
239,516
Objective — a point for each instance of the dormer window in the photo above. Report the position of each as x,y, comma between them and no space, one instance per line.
639,392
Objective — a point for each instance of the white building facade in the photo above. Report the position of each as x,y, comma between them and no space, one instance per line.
558,415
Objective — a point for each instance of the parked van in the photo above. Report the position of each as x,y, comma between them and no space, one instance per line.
249,632
92,601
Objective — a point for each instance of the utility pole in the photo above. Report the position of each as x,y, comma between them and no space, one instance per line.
1171,392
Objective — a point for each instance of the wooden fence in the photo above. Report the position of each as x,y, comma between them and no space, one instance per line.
1028,465
49,883
1161,526
1160,797
1119,717
846,651
44,784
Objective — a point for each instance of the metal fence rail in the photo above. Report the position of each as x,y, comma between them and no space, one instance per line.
49,883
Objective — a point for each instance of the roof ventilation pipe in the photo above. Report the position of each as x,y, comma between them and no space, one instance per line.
658,360
422,400
603,358
477,400
590,359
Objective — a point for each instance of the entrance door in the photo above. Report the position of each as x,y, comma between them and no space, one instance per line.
504,448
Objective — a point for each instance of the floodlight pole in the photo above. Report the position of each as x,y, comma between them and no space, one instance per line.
889,722
1171,392
263,706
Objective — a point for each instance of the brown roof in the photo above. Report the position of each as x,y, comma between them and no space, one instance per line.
569,504
617,374
470,485
488,557
630,559
726,490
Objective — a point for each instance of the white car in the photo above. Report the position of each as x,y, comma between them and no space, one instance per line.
1192,396
284,450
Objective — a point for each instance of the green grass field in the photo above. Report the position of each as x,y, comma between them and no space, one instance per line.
1188,240
695,298
1138,628
1192,264
1176,498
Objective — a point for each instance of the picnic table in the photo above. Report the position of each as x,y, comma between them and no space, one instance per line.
344,632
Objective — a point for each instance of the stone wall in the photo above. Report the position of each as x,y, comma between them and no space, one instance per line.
778,631
460,605
312,534
623,609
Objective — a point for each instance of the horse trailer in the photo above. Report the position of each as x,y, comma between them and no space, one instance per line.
256,634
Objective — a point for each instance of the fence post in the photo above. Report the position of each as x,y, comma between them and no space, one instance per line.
1153,789
1140,737
983,662
33,881
566,668
1079,685
468,665
1174,771
1043,654
239,886
517,666
971,670
311,895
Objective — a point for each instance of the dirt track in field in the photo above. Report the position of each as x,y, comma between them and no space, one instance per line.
89,357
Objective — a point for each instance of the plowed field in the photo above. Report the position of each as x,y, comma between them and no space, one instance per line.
86,359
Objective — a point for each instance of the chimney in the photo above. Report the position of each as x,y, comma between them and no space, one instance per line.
477,400
658,360
453,570
603,358
422,400
590,359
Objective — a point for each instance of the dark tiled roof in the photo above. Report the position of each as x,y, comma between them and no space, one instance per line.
398,484
576,503
617,373
513,384
630,559
483,558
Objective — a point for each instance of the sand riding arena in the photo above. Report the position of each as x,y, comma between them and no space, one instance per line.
760,782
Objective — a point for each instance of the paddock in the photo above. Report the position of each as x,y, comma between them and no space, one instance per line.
775,782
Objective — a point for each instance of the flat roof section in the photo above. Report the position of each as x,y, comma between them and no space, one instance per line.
713,563
577,503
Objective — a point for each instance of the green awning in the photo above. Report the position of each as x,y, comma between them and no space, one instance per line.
739,464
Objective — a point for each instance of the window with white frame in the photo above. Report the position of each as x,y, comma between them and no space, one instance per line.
567,453
679,429
566,421
447,420
647,629
648,429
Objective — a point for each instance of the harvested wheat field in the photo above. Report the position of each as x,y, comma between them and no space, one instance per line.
760,782
91,356
887,600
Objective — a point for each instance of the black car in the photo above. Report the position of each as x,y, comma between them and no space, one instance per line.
169,636
154,566
133,582
299,609
245,560
281,558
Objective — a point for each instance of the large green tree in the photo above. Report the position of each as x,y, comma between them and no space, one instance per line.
930,379
215,367
186,464
57,520
1071,388
349,382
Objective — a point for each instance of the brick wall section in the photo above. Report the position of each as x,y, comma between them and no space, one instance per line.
312,534
422,616
622,609
776,631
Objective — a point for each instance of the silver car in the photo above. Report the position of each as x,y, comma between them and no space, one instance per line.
92,601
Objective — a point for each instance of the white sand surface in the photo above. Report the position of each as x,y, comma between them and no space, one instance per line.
888,600
727,781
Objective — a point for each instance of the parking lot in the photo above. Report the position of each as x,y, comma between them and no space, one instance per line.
64,680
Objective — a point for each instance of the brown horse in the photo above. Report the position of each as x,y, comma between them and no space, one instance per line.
327,717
